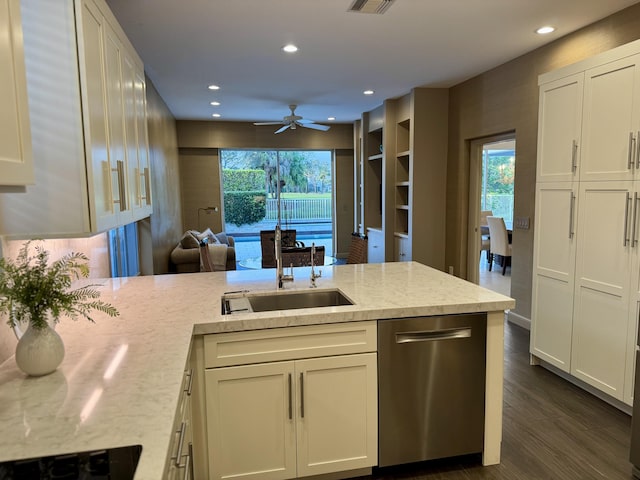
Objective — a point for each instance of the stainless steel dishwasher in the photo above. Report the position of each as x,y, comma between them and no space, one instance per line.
431,387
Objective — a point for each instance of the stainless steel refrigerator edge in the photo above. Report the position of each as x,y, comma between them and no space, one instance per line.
431,384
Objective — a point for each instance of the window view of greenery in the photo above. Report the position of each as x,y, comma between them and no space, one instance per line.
249,182
498,172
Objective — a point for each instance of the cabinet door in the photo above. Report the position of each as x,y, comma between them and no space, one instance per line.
142,145
250,425
337,413
402,249
559,124
610,122
602,285
554,267
16,160
375,246
115,85
99,165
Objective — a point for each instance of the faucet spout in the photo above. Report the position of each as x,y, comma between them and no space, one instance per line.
314,275
280,276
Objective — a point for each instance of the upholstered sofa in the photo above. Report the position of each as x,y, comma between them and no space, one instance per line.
186,254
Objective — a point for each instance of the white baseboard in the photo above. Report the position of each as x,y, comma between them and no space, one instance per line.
519,320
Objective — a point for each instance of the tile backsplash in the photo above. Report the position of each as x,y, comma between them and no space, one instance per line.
96,248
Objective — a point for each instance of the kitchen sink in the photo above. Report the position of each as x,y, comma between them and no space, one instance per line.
267,302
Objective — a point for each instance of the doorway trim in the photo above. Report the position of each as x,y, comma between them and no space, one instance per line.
476,147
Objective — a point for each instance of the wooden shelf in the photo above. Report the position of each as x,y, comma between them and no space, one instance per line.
401,234
402,207
406,183
378,156
406,153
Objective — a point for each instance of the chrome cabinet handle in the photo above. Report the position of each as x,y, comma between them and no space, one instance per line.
190,385
301,394
121,187
571,209
634,240
290,398
630,153
431,335
147,186
183,431
626,220
574,156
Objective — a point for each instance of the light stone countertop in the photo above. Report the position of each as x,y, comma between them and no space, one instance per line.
87,404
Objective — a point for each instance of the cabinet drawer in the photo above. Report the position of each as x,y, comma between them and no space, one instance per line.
289,343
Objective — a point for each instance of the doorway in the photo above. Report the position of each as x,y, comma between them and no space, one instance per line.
491,189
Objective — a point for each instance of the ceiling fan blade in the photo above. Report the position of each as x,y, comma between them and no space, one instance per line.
303,120
315,126
267,123
282,129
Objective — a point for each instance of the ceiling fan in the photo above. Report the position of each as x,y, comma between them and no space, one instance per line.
293,121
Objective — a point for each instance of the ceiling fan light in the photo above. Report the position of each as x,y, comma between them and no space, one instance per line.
290,48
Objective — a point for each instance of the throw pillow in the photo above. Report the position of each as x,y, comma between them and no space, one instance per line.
188,240
208,234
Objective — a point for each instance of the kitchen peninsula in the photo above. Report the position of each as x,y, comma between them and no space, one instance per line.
122,378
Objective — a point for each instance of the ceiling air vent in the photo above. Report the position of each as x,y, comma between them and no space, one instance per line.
370,6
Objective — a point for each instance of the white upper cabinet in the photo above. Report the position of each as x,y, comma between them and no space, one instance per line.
559,124
611,124
85,83
16,159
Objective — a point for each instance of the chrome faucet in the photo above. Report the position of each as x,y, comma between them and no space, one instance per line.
314,275
280,276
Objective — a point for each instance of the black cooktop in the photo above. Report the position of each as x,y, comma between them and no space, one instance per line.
112,464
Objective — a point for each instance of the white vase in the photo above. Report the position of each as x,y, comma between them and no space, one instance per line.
39,351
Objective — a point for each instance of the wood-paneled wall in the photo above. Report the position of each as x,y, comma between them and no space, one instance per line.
506,99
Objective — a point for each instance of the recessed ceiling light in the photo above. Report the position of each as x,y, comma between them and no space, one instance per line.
214,87
368,92
216,115
290,48
331,119
545,30
215,104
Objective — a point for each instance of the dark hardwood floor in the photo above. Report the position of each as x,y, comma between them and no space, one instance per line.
551,430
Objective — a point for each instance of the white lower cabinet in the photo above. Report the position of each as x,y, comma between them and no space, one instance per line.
293,418
375,245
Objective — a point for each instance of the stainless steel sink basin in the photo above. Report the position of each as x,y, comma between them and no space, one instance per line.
267,302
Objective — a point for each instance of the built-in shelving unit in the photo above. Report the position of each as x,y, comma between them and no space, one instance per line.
403,177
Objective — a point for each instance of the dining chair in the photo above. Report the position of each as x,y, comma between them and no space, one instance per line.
500,245
268,245
485,238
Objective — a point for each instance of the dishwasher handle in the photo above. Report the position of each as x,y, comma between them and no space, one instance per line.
432,335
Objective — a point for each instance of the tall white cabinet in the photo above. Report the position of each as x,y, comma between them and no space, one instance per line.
88,124
586,283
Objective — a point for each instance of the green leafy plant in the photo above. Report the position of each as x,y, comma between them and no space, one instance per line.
30,288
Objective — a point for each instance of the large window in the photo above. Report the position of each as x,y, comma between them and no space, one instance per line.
498,173
250,187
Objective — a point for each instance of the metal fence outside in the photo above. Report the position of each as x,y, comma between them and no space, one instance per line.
299,209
